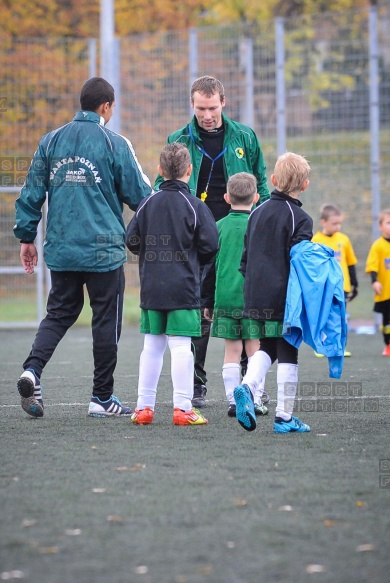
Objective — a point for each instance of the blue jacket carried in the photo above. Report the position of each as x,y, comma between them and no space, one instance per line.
315,305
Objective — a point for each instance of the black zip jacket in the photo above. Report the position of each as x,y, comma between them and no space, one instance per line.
273,228
174,233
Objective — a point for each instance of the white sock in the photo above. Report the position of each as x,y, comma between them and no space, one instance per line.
259,391
182,371
258,366
231,374
150,365
287,380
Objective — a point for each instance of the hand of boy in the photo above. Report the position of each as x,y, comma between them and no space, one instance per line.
208,314
352,294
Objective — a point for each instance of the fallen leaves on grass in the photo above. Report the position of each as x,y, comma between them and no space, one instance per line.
329,523
135,468
73,531
53,550
48,550
286,508
239,502
8,575
315,569
205,569
365,548
27,522
12,478
141,570
360,504
115,518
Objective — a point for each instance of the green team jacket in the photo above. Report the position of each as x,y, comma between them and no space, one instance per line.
243,154
88,173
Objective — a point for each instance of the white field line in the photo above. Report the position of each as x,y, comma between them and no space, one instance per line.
85,404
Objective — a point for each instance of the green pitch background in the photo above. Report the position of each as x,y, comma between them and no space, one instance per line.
85,500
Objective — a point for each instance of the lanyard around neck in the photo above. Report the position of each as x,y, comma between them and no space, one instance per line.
203,196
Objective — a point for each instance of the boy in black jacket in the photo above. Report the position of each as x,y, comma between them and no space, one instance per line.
174,233
273,228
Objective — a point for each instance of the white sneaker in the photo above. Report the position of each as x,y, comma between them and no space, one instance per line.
30,391
110,408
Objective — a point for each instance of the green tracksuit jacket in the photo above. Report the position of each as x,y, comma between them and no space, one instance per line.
88,173
243,154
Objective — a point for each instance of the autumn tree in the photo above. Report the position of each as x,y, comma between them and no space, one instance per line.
75,18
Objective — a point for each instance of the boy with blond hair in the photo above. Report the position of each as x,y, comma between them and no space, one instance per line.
174,234
331,219
224,287
378,266
273,229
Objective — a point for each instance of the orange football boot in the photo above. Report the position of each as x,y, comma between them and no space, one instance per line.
142,416
188,417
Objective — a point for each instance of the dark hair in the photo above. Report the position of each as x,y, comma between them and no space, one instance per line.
94,92
209,86
174,160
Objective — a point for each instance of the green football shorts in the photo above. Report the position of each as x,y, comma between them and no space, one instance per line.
235,328
245,328
171,322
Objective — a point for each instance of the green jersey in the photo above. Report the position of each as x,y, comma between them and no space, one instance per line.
229,284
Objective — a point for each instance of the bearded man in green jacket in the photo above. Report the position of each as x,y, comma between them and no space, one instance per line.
87,173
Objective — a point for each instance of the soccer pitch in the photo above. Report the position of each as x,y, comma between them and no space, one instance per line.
87,500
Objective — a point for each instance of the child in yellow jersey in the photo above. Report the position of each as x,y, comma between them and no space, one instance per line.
378,266
331,219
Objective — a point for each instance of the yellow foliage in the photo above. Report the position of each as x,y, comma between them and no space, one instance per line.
73,18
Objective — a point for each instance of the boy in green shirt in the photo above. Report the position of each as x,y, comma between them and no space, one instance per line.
224,287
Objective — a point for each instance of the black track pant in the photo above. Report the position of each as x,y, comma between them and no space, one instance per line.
64,304
279,349
384,309
199,348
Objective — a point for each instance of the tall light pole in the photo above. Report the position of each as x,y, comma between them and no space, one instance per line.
110,56
374,118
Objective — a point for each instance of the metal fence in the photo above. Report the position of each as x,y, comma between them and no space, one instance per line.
319,86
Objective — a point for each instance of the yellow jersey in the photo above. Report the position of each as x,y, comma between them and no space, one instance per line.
343,252
378,260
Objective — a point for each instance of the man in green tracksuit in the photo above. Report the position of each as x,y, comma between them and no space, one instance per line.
87,173
219,148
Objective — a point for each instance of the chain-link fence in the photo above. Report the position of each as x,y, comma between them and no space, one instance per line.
303,84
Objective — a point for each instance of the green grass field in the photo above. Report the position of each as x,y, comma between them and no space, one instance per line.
18,309
102,501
